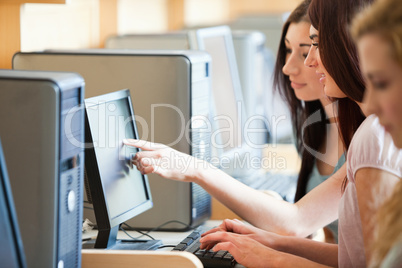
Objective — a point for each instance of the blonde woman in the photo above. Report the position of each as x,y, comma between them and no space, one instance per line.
378,34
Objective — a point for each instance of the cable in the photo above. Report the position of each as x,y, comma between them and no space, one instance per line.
154,229
167,246
143,234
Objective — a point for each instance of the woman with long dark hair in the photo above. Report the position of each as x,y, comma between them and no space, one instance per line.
319,144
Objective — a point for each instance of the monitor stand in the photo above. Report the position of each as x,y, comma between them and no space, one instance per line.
107,239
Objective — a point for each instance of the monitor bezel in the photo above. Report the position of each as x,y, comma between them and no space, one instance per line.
5,189
103,220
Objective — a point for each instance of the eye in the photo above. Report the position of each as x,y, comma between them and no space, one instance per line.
379,85
315,44
288,51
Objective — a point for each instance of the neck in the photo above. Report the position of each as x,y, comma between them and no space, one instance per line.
333,135
329,109
363,108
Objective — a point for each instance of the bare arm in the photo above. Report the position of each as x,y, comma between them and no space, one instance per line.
322,253
317,209
373,187
251,253
319,252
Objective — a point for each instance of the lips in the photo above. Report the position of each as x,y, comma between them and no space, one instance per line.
321,77
296,85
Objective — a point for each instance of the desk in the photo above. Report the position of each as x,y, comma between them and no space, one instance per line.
145,259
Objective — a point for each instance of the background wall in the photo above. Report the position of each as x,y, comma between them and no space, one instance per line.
27,25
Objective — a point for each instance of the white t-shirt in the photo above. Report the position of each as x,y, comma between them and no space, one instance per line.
371,147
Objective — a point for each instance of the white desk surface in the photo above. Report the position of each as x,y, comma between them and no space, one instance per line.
167,238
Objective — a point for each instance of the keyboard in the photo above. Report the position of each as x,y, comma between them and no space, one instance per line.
209,258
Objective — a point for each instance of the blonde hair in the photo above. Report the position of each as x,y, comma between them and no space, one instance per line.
389,226
384,18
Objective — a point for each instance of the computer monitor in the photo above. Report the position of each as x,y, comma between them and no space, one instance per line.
217,41
117,190
228,140
11,249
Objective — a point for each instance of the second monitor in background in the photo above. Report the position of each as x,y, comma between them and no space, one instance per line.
231,143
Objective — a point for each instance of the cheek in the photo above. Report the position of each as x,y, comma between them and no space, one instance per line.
332,89
393,110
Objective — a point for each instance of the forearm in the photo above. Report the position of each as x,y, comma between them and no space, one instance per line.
317,209
266,212
255,207
319,252
292,261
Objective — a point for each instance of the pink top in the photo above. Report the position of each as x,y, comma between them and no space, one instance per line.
371,147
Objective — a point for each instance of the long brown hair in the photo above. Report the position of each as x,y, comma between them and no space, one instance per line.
314,135
340,58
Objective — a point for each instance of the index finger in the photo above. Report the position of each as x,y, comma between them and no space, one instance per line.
144,145
226,226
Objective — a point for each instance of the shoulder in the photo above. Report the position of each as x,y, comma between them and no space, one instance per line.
369,136
373,147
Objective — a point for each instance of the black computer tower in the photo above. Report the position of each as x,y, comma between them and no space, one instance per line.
42,130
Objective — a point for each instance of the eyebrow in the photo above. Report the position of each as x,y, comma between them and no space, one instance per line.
300,45
313,36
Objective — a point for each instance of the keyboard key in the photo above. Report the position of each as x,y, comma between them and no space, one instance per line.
209,258
220,254
209,254
228,256
194,235
187,241
180,247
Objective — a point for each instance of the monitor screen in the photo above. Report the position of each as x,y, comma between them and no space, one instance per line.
118,190
217,41
11,250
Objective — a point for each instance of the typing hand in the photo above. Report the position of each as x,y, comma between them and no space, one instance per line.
245,250
164,161
235,226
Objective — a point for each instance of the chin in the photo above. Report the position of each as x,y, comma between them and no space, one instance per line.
334,93
397,140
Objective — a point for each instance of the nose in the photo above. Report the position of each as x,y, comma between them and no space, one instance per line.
291,67
311,59
370,102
